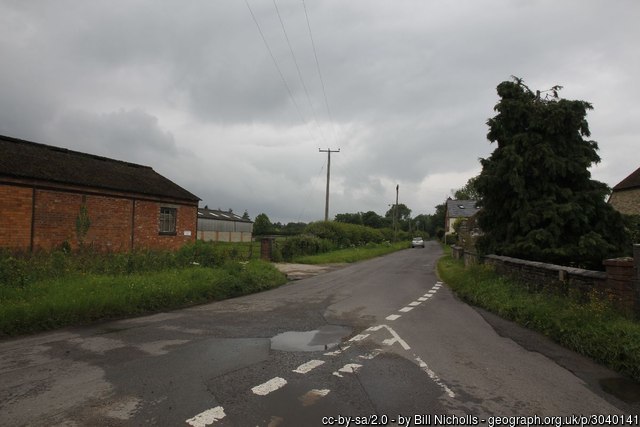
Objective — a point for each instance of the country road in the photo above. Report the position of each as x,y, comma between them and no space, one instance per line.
383,339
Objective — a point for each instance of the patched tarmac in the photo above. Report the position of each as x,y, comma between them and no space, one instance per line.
303,271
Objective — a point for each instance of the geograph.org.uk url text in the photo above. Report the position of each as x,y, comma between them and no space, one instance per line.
493,421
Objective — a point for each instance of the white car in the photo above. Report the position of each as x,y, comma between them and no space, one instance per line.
417,241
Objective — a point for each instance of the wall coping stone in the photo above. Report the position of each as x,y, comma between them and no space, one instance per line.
619,262
552,267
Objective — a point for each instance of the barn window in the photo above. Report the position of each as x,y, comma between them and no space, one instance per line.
168,220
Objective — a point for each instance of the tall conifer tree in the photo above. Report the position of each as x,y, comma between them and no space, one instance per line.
538,199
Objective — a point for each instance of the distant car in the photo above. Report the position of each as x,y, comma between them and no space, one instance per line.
417,241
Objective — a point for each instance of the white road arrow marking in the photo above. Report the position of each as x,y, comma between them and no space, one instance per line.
359,337
396,338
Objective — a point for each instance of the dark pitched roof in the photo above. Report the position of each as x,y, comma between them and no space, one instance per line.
632,181
30,160
461,208
220,215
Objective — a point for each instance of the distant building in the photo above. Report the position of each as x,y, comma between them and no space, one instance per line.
458,209
223,226
625,197
52,196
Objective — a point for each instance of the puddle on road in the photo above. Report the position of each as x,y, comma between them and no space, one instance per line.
321,339
622,388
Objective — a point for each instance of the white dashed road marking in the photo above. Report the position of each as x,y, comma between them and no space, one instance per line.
423,299
309,366
337,352
349,368
393,317
415,303
406,309
207,417
434,377
270,386
371,355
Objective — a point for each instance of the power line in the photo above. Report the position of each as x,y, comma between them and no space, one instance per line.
273,58
315,54
295,61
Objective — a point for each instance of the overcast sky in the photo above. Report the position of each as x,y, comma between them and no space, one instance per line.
189,88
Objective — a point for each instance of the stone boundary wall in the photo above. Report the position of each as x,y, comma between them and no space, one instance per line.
619,283
540,273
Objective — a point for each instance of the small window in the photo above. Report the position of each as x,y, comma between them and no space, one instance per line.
168,220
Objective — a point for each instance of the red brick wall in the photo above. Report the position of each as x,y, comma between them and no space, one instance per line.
110,218
110,227
15,217
55,218
147,225
56,214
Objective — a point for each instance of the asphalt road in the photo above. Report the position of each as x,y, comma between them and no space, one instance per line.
382,339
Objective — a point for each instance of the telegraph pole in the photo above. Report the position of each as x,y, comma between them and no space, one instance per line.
326,203
395,213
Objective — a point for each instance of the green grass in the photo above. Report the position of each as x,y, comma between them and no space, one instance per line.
352,254
592,328
81,298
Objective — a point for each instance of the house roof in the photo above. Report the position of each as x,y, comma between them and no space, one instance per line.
30,160
204,213
461,208
632,181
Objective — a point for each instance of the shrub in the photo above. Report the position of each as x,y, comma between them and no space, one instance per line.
304,245
343,234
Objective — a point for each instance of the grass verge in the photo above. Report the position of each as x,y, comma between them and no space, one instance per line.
81,298
352,254
592,328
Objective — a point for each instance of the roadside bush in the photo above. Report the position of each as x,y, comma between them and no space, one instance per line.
304,245
343,234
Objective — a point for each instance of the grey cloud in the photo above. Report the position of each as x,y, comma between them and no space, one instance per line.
189,88
132,135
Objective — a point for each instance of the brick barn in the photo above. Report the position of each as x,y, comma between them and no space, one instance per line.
50,196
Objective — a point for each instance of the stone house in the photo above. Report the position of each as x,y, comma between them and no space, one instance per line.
52,196
625,196
458,209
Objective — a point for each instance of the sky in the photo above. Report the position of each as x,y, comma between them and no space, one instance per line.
209,94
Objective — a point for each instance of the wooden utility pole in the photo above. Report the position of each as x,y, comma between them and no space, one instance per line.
326,203
395,214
